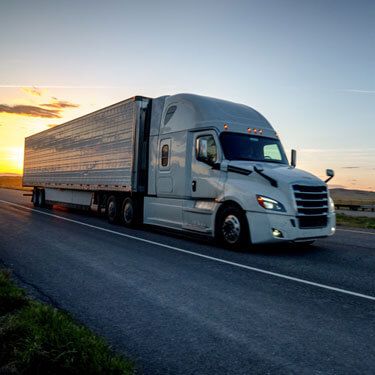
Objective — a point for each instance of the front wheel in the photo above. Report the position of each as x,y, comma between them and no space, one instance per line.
232,228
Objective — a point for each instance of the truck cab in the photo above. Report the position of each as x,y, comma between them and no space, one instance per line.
218,168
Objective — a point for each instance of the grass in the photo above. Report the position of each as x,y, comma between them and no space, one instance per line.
356,221
36,338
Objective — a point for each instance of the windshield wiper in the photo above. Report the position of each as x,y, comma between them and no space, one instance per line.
271,180
273,161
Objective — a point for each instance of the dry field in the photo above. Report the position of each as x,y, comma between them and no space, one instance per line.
12,182
360,197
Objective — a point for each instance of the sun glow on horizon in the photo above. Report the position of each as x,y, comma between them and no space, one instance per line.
11,160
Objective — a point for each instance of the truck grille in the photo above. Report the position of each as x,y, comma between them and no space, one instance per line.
312,206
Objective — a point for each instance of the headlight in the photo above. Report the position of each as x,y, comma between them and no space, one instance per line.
331,205
270,204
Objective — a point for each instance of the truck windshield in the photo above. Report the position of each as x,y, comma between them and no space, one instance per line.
238,146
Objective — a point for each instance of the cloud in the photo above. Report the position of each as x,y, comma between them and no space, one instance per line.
30,110
35,91
59,104
62,87
359,91
52,125
52,109
349,167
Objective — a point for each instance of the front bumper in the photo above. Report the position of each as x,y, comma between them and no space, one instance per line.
262,224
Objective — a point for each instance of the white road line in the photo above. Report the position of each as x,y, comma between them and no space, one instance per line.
355,231
239,265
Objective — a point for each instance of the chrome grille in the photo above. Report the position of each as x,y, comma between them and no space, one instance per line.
312,205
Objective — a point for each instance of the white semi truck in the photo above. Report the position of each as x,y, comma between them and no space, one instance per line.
185,162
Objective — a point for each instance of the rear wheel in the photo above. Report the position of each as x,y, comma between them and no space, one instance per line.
232,228
129,214
41,198
113,211
35,198
38,197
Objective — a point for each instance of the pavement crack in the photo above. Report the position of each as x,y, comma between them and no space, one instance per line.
32,289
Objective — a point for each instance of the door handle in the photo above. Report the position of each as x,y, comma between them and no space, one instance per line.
194,185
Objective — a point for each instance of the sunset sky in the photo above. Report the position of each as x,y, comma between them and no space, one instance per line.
307,66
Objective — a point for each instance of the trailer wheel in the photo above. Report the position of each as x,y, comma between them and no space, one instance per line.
35,198
129,213
41,197
232,228
112,210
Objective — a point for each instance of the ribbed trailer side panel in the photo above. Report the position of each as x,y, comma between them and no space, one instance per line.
94,152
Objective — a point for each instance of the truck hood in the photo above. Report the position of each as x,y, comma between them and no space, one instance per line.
283,174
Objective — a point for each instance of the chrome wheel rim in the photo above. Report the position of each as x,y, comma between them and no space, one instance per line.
128,212
231,229
112,209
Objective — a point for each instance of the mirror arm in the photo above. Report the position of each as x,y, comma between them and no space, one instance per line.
328,179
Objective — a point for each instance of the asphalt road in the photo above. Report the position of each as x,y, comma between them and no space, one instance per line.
183,306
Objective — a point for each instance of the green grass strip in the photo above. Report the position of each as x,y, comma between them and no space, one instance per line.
36,338
356,221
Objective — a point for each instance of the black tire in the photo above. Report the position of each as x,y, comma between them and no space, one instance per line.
112,210
35,198
41,198
232,230
129,212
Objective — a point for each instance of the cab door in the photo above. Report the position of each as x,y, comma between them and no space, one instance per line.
206,181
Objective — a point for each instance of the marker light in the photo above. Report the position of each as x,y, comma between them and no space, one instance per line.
331,205
249,130
255,131
270,204
260,131
226,126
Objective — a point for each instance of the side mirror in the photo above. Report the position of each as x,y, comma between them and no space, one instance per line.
293,158
203,152
330,173
202,149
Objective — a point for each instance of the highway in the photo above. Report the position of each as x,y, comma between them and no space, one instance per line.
179,305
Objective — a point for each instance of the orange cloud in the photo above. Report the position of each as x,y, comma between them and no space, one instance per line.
30,110
47,110
60,104
33,91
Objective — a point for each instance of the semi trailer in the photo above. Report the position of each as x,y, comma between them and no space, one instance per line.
184,162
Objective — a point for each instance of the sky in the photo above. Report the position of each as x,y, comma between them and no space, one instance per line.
307,66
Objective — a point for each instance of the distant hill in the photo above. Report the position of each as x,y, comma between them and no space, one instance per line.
9,174
353,196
